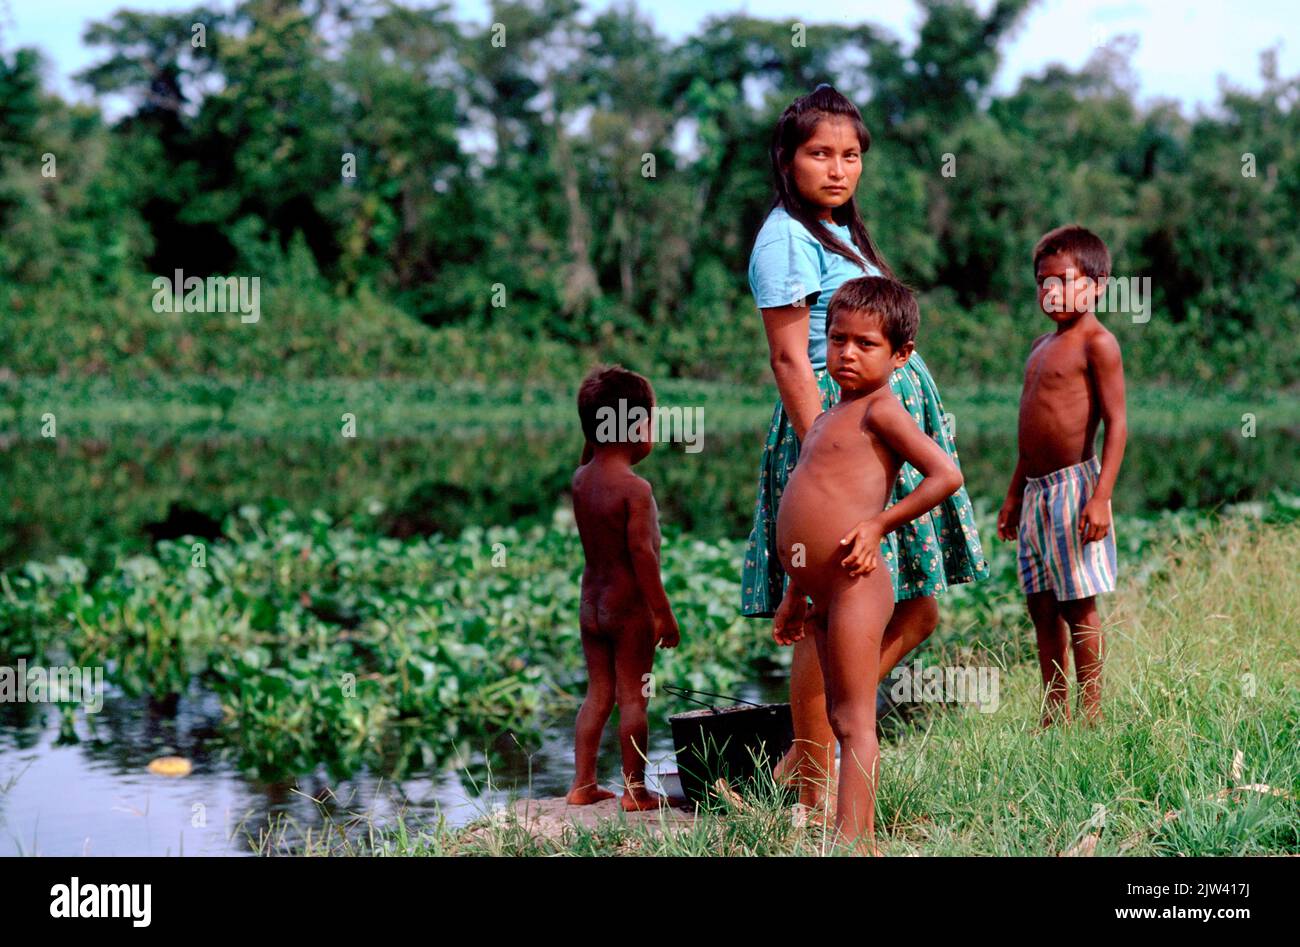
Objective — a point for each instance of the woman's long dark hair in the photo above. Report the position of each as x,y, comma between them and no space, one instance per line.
795,126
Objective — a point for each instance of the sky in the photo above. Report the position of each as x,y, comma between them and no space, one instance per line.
1183,48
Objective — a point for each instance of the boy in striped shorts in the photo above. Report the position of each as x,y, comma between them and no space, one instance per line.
1058,504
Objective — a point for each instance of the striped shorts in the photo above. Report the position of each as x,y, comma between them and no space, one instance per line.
1052,556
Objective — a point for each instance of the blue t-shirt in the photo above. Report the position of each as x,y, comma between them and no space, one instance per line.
787,264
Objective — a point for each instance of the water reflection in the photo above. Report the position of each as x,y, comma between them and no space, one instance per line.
84,498
95,796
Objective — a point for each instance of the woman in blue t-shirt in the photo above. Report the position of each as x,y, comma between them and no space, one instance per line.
812,241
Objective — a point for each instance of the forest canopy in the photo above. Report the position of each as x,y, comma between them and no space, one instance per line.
426,197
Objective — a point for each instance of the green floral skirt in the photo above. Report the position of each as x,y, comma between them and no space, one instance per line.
940,549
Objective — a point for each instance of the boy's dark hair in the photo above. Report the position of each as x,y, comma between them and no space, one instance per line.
886,299
1085,248
603,387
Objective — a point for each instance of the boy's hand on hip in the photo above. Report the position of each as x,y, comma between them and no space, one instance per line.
863,554
1009,520
667,634
1094,522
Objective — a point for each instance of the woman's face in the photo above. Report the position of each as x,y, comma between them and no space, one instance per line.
827,166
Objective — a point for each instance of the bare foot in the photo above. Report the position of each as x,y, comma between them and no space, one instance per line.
812,789
820,816
786,772
641,799
586,795
814,795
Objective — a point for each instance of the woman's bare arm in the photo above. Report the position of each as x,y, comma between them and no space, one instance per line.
787,345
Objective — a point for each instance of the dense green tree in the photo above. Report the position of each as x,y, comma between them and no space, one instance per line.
580,182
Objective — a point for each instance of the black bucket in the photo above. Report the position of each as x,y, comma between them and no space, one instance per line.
730,743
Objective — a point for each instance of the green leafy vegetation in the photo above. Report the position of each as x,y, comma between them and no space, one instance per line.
332,643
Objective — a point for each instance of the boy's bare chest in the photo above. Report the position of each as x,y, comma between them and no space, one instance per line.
1056,365
838,437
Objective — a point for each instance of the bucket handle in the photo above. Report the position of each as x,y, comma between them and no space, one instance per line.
684,692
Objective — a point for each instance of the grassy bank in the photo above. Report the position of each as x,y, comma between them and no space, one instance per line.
1197,754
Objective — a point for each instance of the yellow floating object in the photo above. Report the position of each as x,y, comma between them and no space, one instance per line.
171,766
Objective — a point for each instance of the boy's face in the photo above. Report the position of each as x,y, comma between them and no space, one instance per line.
858,353
1064,290
827,166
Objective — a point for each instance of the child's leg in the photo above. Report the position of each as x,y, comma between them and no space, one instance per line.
914,620
1089,653
812,756
1053,636
599,652
856,622
810,761
633,658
